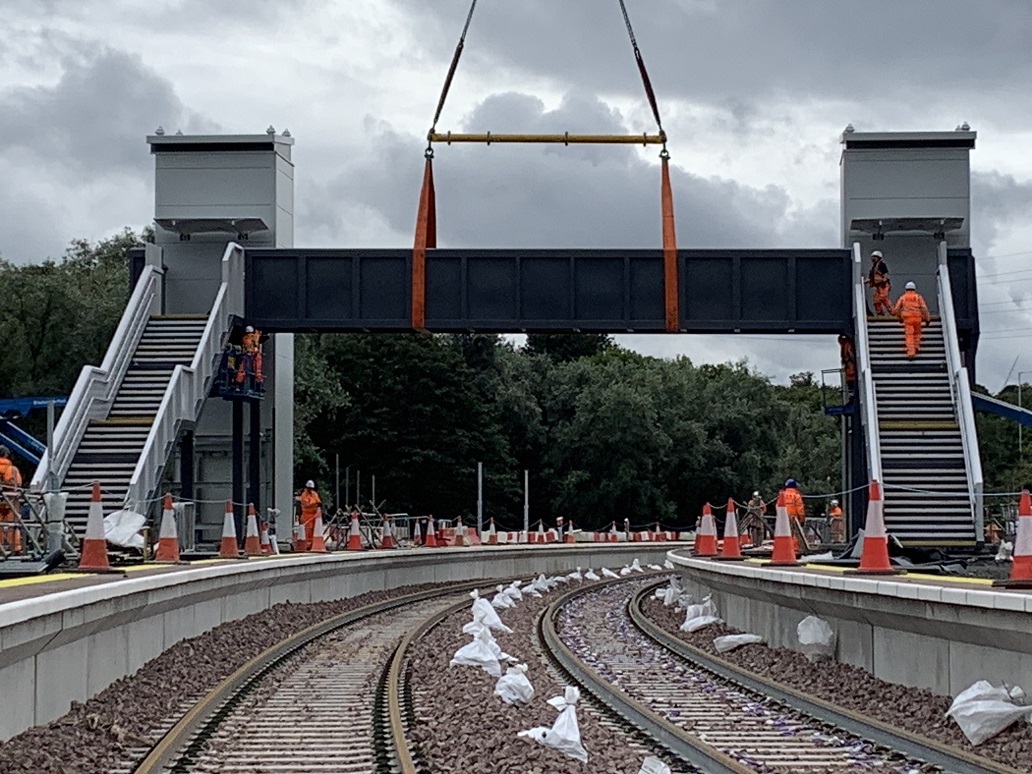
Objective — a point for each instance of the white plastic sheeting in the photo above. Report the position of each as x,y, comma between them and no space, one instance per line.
576,575
123,528
591,575
816,638
609,573
564,735
984,710
502,600
653,765
513,687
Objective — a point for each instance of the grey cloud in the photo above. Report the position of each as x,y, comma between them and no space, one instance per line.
884,52
93,120
537,196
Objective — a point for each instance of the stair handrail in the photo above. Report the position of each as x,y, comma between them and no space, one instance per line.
960,393
96,387
189,386
868,406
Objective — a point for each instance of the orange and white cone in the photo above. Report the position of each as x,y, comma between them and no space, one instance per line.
252,540
784,545
732,548
94,545
540,536
388,541
874,558
228,548
707,543
491,535
431,538
319,538
568,535
1021,569
266,544
168,537
354,533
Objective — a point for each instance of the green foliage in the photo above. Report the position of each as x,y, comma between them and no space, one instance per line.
564,347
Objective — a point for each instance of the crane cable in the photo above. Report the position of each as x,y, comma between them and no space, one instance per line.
426,217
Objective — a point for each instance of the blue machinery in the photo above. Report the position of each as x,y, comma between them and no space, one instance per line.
17,439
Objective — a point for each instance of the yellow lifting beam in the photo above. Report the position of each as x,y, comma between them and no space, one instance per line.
565,138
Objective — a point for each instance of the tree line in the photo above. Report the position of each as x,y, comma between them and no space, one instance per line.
604,432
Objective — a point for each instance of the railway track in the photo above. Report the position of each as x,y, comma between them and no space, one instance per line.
714,715
314,702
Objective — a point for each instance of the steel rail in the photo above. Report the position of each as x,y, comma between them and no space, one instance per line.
405,757
207,711
685,745
564,138
954,760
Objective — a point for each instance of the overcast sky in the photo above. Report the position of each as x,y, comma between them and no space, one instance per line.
754,96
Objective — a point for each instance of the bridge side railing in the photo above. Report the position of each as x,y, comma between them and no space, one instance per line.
960,393
95,389
189,386
868,406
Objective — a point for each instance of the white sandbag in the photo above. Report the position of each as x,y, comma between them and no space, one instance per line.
501,600
609,573
659,594
123,528
625,571
672,592
707,608
564,735
557,579
668,564
576,575
513,687
478,653
684,601
732,641
701,622
654,568
491,619
653,765
983,710
591,575
816,638
1005,553
636,566
514,591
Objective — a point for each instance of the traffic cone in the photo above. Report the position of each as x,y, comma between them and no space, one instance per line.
354,533
266,545
874,558
228,547
492,536
273,516
707,542
388,541
540,537
94,546
252,540
319,539
1021,569
168,538
431,537
784,547
299,538
568,536
732,549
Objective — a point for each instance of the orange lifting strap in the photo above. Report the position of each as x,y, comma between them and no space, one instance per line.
426,218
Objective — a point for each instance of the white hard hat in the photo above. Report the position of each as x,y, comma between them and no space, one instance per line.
755,494
911,286
249,329
876,254
834,502
309,484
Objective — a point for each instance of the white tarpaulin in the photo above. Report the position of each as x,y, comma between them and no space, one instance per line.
123,528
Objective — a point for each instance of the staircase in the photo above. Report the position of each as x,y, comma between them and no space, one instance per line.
110,448
920,438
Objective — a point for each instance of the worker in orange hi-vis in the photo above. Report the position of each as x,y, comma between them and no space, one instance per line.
836,522
310,504
11,480
794,501
911,309
878,279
